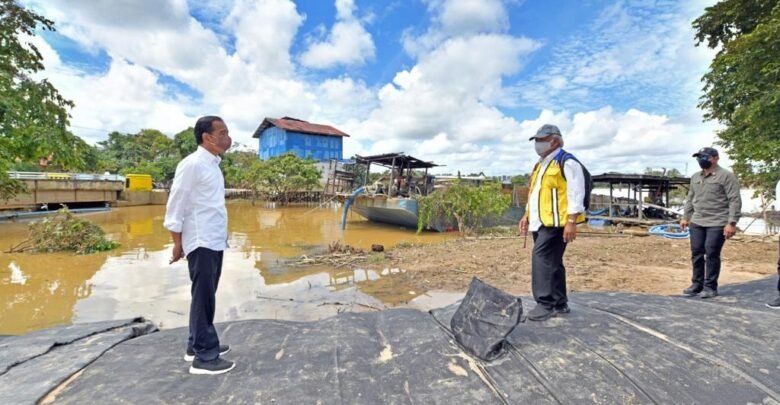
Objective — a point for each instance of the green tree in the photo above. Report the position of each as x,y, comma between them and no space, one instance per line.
147,152
283,174
33,114
469,205
237,167
184,142
742,87
521,179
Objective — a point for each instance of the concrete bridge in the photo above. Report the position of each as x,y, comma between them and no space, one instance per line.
65,188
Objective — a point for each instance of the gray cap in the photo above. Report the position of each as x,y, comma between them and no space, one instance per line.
546,130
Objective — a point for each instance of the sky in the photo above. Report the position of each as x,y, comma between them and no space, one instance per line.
463,83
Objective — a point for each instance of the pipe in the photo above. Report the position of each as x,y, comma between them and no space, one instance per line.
355,193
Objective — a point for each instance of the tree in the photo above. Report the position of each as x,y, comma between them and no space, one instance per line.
521,179
283,174
469,205
147,152
742,87
33,114
185,142
237,167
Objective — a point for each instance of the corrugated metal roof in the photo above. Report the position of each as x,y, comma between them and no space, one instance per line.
296,125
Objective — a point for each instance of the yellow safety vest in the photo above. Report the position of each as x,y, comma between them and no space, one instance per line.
553,199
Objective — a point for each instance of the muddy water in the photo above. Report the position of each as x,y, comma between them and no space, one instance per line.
42,290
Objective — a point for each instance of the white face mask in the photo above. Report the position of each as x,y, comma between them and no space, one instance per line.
542,147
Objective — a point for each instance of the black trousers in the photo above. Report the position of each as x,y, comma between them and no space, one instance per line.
706,245
548,275
205,268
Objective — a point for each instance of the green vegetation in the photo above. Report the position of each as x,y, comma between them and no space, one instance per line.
280,175
376,258
742,87
33,114
469,205
63,232
147,152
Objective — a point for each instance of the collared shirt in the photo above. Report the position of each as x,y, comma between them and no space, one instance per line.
196,206
575,189
713,199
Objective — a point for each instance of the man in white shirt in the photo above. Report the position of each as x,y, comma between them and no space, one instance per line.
556,204
197,218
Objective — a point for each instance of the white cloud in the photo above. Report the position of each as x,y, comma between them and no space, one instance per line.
446,106
457,18
264,31
444,91
348,43
635,52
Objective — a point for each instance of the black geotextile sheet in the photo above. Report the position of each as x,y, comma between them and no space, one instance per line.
612,348
34,364
484,319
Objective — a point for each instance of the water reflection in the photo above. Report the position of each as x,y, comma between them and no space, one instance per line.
39,291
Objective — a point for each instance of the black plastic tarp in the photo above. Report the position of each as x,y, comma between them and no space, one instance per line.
612,348
34,364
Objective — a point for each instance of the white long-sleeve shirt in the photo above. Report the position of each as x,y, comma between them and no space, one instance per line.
196,206
575,189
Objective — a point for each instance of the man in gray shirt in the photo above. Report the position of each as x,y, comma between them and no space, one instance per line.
711,212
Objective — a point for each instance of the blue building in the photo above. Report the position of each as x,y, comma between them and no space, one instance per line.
278,136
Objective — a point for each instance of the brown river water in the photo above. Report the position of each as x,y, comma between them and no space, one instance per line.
42,290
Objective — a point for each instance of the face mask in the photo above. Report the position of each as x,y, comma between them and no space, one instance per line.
704,163
223,144
542,147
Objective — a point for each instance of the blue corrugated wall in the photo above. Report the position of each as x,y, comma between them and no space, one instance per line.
275,141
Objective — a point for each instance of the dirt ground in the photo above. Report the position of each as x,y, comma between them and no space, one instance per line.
593,263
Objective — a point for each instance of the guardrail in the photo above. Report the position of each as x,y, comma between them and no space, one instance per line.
65,176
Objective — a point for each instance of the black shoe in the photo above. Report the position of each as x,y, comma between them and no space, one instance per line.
541,313
562,309
692,290
709,293
213,367
774,304
189,355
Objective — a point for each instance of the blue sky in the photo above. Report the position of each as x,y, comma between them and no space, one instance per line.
460,82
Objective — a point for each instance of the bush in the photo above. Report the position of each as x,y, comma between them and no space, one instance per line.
64,232
469,205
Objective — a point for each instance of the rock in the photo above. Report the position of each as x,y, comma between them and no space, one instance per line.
377,248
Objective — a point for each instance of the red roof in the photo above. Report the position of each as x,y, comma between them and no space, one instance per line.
296,125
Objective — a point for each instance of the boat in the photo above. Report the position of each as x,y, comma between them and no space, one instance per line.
393,198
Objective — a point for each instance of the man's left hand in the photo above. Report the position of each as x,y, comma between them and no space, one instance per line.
729,231
570,232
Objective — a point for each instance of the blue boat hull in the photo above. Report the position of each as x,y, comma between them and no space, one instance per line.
402,212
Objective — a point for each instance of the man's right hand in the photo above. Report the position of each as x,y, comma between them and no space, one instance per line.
683,224
177,254
523,225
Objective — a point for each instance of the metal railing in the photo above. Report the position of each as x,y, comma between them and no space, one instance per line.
65,176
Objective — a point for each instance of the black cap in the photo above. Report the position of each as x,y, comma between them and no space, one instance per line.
706,151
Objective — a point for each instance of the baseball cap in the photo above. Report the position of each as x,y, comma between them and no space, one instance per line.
546,130
706,151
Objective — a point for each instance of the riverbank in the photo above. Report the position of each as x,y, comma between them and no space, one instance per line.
593,262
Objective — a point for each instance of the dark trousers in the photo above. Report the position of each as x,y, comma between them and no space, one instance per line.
706,244
205,269
548,275
778,267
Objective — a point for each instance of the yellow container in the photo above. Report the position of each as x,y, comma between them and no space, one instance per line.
138,182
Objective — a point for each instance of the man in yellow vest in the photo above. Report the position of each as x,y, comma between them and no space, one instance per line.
556,204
